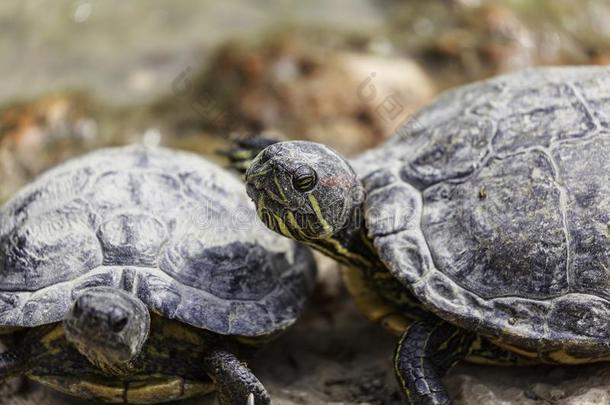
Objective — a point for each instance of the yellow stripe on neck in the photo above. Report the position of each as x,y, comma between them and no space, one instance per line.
353,258
279,189
260,205
315,206
282,226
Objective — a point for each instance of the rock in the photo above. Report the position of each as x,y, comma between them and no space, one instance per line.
346,100
561,385
467,41
38,134
464,40
315,364
595,396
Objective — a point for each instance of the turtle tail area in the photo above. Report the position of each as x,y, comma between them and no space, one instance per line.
425,352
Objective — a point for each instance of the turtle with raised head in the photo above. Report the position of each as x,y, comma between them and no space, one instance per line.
481,230
141,275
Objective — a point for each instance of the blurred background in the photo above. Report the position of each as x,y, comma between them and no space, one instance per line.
80,75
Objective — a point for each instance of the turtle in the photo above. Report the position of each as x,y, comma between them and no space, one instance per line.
140,274
480,230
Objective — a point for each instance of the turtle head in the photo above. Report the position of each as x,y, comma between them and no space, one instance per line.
109,327
304,190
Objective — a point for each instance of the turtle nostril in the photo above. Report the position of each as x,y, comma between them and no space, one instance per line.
117,319
119,324
77,310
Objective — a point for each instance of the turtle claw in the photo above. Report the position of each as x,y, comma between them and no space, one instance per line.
233,379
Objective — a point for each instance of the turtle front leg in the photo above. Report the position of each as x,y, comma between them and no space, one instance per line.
235,383
426,351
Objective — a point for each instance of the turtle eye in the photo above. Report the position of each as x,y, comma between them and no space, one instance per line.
304,179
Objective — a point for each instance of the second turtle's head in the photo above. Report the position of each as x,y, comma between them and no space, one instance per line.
303,190
108,326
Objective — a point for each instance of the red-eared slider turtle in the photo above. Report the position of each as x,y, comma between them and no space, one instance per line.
490,209
141,275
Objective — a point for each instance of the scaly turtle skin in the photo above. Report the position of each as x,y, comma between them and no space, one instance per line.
485,220
140,275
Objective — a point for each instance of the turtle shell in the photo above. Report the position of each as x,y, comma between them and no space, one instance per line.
171,227
499,200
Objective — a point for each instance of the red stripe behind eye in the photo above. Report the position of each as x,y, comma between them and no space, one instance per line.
334,181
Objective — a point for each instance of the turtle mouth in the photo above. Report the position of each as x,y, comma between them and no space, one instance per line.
295,223
264,198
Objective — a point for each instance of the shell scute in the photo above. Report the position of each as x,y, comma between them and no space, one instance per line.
101,277
539,115
201,308
45,303
517,315
162,295
512,240
132,239
392,209
246,315
584,171
460,146
237,270
595,91
580,317
49,248
405,253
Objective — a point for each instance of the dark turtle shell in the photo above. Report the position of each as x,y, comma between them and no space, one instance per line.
499,195
171,227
